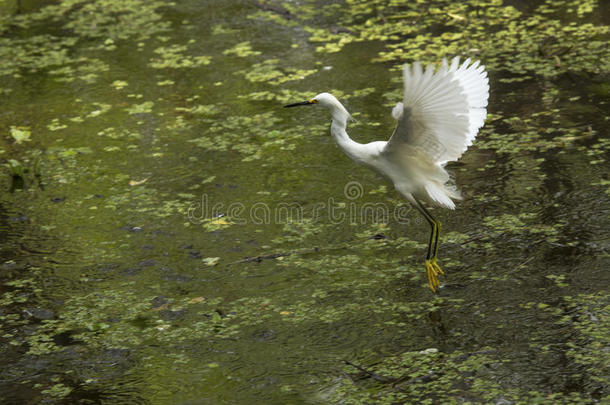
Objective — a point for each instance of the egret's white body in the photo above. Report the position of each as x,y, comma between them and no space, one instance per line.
441,112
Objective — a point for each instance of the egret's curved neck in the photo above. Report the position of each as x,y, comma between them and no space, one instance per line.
352,149
337,130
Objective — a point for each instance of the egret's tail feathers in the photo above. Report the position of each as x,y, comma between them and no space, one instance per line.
442,195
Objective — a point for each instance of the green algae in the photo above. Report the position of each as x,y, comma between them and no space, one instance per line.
20,134
270,72
521,223
219,29
119,84
145,107
433,376
503,36
242,50
57,391
248,135
86,69
175,57
106,20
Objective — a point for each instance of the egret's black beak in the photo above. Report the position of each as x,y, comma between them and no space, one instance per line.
308,102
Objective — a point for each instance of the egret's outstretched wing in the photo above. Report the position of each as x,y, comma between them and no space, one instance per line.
442,110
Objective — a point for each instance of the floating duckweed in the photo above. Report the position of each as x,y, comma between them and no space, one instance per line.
57,391
118,133
242,49
86,69
218,29
101,109
176,57
283,96
521,224
249,135
200,109
99,19
500,34
20,134
143,108
270,72
119,84
112,148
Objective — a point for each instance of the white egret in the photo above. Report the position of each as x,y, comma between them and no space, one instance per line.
441,112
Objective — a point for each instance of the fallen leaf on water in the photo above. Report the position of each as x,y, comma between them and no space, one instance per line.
456,16
211,261
137,182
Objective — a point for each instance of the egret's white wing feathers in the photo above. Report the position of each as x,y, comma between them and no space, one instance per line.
441,111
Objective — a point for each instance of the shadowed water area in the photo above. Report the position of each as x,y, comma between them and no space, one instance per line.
171,235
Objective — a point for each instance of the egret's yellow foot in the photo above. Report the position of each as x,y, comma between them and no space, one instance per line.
437,267
433,271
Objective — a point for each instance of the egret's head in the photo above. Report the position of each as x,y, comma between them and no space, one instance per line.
326,100
329,101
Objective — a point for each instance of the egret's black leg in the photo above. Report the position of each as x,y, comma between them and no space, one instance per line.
433,270
438,232
420,207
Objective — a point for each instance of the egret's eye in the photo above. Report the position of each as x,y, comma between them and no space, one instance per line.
313,101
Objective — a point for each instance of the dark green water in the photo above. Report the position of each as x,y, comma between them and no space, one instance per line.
171,235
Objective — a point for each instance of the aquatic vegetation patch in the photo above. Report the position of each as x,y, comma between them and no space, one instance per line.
33,54
250,135
121,318
58,390
119,133
580,334
177,57
431,376
219,29
538,43
270,72
145,107
119,84
522,223
20,134
200,109
242,50
98,19
85,69
132,19
26,171
106,21
532,133
299,230
65,163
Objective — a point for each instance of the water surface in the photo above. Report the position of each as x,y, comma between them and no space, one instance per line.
171,235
